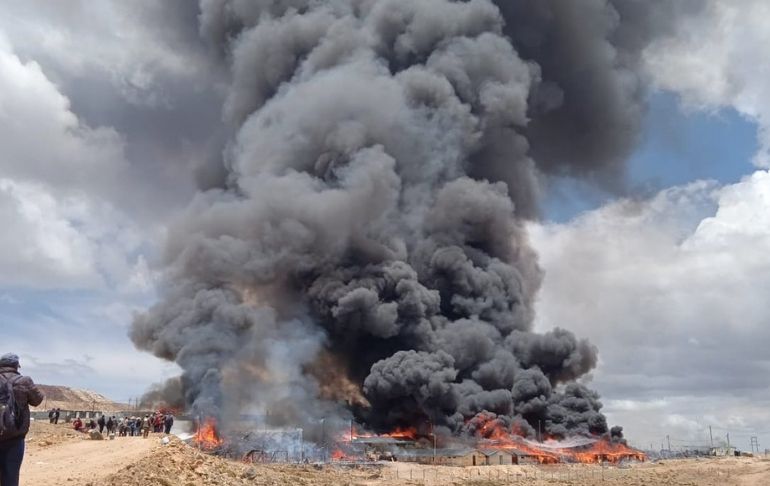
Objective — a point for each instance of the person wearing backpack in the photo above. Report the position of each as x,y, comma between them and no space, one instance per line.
17,393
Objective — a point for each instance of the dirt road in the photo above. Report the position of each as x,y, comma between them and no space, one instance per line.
80,462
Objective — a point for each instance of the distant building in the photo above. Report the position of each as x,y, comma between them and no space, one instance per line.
468,457
444,457
499,457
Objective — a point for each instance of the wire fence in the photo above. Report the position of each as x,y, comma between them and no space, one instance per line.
511,475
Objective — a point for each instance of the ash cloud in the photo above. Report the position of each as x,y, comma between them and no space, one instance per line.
367,236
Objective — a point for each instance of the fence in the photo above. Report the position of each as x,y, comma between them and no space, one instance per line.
512,475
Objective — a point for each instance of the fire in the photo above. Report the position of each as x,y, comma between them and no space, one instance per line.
340,455
494,434
207,437
409,433
401,433
346,448
604,451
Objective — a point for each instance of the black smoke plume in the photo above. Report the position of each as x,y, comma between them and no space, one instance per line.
365,256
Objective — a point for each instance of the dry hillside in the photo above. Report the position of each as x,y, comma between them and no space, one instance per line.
72,399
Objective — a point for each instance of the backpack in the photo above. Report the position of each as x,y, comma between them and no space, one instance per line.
10,412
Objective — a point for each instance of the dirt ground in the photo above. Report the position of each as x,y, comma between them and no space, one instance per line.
58,456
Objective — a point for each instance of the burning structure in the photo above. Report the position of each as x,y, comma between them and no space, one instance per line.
361,253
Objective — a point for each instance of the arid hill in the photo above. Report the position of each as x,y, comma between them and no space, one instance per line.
73,399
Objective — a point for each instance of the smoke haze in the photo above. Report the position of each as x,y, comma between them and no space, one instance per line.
358,250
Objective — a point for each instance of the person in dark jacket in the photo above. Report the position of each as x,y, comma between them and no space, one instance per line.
26,394
56,414
168,422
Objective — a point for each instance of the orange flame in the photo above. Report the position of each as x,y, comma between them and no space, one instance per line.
346,450
604,451
207,437
340,455
495,435
401,433
408,433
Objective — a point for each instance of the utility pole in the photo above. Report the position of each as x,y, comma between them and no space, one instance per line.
301,445
754,443
323,438
433,433
711,437
728,442
539,432
669,443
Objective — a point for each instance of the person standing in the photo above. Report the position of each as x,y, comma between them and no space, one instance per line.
146,424
19,393
56,415
168,422
102,423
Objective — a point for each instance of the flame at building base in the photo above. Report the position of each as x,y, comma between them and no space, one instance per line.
579,449
492,437
353,445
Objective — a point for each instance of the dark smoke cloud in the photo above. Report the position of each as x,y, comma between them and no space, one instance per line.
586,112
368,236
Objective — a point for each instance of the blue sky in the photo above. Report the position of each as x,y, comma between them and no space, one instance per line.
79,338
678,145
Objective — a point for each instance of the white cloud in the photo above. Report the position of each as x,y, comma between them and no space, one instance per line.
100,119
43,140
135,44
718,59
60,228
672,290
39,244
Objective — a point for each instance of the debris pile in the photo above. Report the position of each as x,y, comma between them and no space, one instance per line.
44,434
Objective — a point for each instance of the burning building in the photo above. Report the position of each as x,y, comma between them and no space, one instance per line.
361,253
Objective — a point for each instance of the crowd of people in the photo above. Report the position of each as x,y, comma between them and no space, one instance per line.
132,426
19,392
